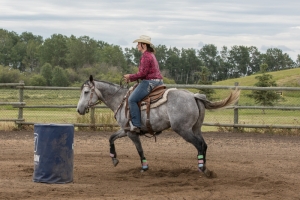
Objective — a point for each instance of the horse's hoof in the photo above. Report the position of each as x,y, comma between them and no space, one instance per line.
115,161
208,173
144,169
213,174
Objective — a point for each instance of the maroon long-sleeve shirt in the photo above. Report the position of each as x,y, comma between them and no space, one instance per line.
148,68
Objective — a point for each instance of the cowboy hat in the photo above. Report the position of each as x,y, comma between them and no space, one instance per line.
144,39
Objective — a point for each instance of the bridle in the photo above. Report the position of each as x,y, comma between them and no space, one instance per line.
93,90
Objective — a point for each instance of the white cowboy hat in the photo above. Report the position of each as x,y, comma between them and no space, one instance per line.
144,39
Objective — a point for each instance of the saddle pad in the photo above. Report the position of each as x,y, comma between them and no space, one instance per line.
159,102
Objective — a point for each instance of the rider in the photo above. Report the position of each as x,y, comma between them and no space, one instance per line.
150,75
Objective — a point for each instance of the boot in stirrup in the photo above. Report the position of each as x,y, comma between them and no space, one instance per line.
134,128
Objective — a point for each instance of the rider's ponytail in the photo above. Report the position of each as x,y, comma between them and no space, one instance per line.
150,48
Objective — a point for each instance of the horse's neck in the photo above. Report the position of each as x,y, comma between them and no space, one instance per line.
112,94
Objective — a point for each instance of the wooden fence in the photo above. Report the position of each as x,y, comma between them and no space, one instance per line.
21,105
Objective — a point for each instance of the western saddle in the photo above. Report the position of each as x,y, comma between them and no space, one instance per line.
155,95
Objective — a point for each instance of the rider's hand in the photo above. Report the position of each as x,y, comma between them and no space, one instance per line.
126,78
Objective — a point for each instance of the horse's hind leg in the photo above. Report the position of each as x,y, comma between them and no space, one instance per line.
120,133
137,142
202,157
199,143
197,131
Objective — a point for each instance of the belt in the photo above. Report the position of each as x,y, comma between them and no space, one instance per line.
155,79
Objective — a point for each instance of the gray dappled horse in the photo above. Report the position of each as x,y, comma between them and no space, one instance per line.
184,112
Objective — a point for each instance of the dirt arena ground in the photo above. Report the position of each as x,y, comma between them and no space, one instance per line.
248,166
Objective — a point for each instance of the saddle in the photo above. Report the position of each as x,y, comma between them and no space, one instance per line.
155,95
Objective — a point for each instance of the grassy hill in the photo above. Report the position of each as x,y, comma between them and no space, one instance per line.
284,78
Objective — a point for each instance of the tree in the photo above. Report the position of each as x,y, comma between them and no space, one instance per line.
81,51
190,63
30,54
161,55
239,59
60,77
173,64
277,60
113,55
265,98
46,72
7,41
208,54
31,58
28,36
224,65
128,56
54,51
255,60
298,61
203,80
136,56
17,54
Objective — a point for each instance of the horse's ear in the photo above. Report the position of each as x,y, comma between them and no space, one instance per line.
91,78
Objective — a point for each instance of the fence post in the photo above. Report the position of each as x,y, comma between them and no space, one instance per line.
92,118
236,112
21,99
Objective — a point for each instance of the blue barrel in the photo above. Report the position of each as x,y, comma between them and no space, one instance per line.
53,153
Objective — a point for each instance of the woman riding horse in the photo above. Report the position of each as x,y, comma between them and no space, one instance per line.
150,75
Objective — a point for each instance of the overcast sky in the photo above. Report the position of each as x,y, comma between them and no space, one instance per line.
180,23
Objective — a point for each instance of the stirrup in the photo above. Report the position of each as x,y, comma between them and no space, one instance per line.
132,128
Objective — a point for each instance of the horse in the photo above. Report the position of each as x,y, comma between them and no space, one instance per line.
183,112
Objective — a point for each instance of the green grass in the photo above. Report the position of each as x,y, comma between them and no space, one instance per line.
105,116
282,78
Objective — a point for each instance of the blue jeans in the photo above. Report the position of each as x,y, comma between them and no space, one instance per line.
142,90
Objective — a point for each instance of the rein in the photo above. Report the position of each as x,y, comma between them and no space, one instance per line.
94,90
97,92
122,85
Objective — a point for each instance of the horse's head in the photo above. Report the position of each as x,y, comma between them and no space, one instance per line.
89,97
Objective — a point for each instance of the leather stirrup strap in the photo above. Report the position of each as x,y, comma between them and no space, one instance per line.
126,107
149,127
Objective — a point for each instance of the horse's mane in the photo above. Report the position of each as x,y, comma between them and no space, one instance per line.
86,82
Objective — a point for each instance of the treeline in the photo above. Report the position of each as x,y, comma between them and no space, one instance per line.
63,61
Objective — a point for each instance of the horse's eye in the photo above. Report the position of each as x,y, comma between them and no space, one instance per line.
86,92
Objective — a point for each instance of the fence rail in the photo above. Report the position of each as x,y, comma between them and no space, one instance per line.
21,105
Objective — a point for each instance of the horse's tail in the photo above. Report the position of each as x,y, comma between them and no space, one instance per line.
231,99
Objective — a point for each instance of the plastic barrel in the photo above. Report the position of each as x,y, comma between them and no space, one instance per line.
53,153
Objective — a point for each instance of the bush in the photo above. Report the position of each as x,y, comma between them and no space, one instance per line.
37,80
8,75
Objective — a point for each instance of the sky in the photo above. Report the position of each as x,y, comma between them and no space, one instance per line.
180,23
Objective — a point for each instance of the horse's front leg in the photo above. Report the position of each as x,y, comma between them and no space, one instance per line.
136,140
120,133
